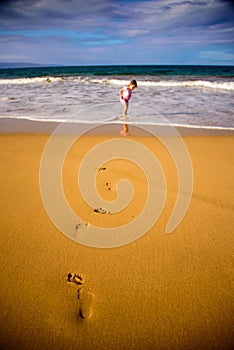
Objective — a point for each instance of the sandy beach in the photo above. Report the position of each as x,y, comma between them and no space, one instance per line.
163,291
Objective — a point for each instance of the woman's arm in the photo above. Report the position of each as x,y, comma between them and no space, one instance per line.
120,93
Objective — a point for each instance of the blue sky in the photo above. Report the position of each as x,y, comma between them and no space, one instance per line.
84,32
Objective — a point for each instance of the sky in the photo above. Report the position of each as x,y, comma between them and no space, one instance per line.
106,32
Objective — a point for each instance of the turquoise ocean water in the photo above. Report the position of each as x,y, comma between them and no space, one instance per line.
192,96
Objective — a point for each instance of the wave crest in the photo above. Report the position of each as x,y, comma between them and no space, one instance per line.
221,85
35,80
226,85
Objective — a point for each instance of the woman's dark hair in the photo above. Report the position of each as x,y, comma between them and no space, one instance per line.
133,82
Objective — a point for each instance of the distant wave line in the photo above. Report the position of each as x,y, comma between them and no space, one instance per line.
223,85
227,85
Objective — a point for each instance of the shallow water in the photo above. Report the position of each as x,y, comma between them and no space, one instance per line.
181,95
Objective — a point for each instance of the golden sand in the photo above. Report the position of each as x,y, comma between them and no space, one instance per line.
163,291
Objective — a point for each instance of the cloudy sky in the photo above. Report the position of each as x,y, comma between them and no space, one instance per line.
80,32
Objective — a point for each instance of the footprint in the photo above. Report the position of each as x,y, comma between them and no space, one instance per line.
82,225
100,211
103,168
109,185
74,278
86,303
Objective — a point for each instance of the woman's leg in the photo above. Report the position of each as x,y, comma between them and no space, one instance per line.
125,109
124,132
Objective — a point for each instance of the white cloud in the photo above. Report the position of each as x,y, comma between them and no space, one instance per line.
217,55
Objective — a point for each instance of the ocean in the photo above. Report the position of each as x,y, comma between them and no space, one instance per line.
190,96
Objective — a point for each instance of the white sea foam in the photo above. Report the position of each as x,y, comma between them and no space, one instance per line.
35,80
228,85
170,83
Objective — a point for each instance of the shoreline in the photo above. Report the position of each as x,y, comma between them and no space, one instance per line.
25,126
